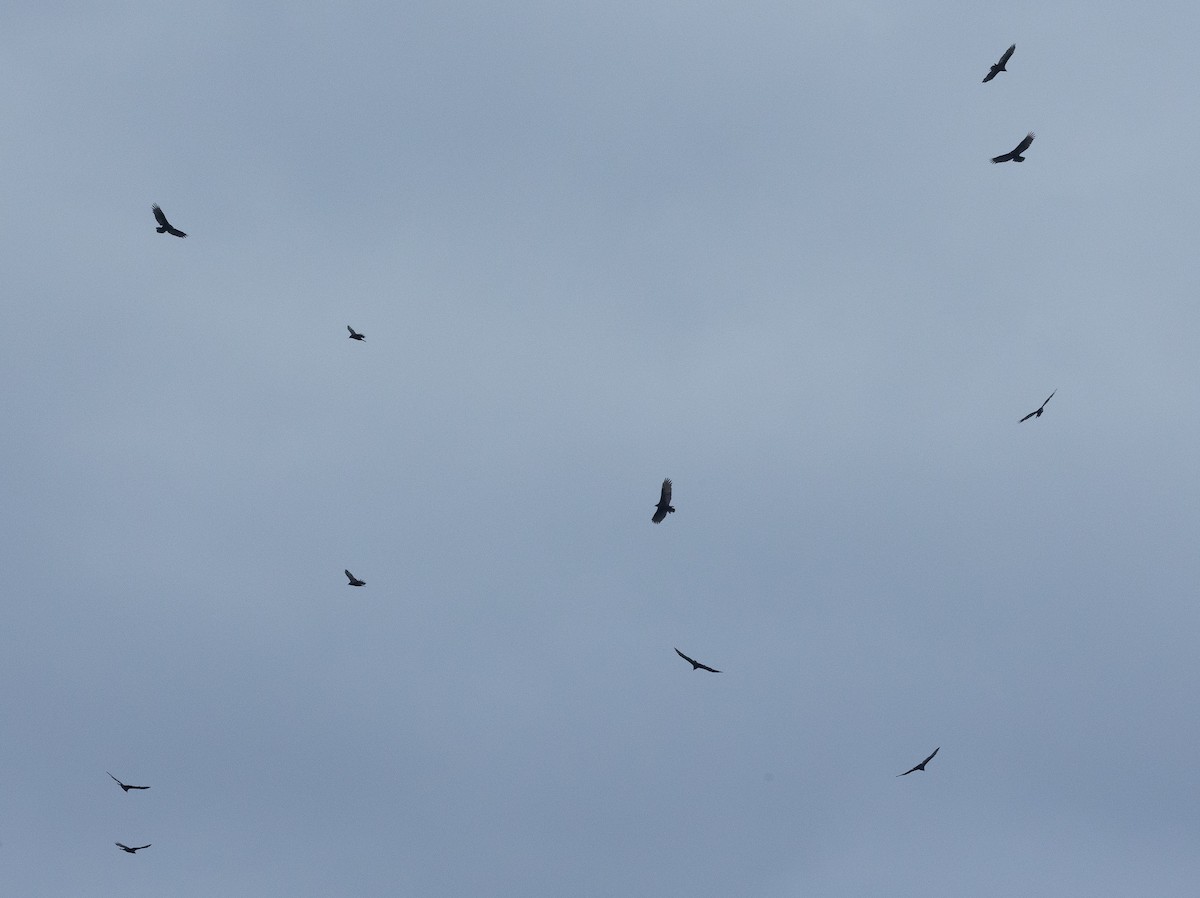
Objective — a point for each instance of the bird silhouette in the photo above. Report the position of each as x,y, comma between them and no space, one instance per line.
696,665
125,787
921,766
999,67
664,506
1015,155
164,226
354,581
1037,413
130,850
355,335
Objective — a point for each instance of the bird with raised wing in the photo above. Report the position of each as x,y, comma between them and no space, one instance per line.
124,786
1037,413
354,581
164,226
1015,155
664,506
355,335
999,67
126,848
921,766
696,665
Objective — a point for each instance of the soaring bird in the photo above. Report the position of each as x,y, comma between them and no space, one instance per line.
355,335
1037,413
164,226
130,850
999,67
1015,155
696,665
921,766
664,507
125,787
354,581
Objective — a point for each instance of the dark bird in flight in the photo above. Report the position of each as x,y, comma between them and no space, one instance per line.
354,581
125,787
921,766
355,335
664,507
1041,408
1015,155
696,665
999,67
130,850
164,226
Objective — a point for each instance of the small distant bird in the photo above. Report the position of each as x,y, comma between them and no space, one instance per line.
664,506
125,787
696,665
999,67
130,850
921,766
355,335
164,226
1037,413
1015,155
354,581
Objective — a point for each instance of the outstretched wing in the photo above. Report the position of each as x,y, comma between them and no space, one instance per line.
115,780
1039,409
166,225
351,576
920,766
696,665
1007,55
349,328
123,847
664,502
140,847
1020,148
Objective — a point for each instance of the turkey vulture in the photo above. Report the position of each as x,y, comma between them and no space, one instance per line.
164,226
999,67
664,507
1015,155
355,335
354,581
130,850
125,787
921,766
696,665
1038,412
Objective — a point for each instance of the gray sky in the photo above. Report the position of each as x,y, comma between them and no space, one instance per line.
757,248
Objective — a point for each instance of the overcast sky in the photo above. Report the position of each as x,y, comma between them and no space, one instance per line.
755,247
